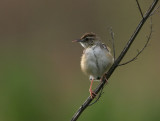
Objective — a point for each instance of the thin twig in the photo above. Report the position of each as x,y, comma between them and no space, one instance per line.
139,52
113,43
139,8
116,63
155,11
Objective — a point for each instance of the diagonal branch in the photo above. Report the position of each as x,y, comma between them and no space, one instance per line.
139,52
116,63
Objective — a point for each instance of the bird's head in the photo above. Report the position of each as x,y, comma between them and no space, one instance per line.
88,40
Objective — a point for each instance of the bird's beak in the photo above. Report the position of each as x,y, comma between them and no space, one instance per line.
78,40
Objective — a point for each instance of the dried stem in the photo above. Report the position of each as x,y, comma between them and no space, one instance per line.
140,10
113,44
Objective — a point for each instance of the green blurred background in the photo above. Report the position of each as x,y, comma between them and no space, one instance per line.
40,75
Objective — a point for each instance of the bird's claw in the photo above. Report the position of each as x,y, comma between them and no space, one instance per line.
106,80
92,94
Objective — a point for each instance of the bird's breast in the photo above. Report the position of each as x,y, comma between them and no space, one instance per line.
88,61
95,61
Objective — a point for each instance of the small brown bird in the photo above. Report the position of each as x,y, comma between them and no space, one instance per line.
96,58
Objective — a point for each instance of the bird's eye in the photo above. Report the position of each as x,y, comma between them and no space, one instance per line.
87,39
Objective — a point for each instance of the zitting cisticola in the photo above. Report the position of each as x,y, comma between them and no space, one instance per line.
96,58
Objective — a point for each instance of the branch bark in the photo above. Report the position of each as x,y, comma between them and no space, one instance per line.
117,61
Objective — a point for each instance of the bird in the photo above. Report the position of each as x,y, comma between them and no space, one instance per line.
96,58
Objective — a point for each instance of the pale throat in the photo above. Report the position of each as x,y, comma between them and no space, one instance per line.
85,45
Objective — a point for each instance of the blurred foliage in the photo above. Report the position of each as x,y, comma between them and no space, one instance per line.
40,76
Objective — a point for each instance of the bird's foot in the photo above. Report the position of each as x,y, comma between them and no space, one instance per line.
106,80
92,93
